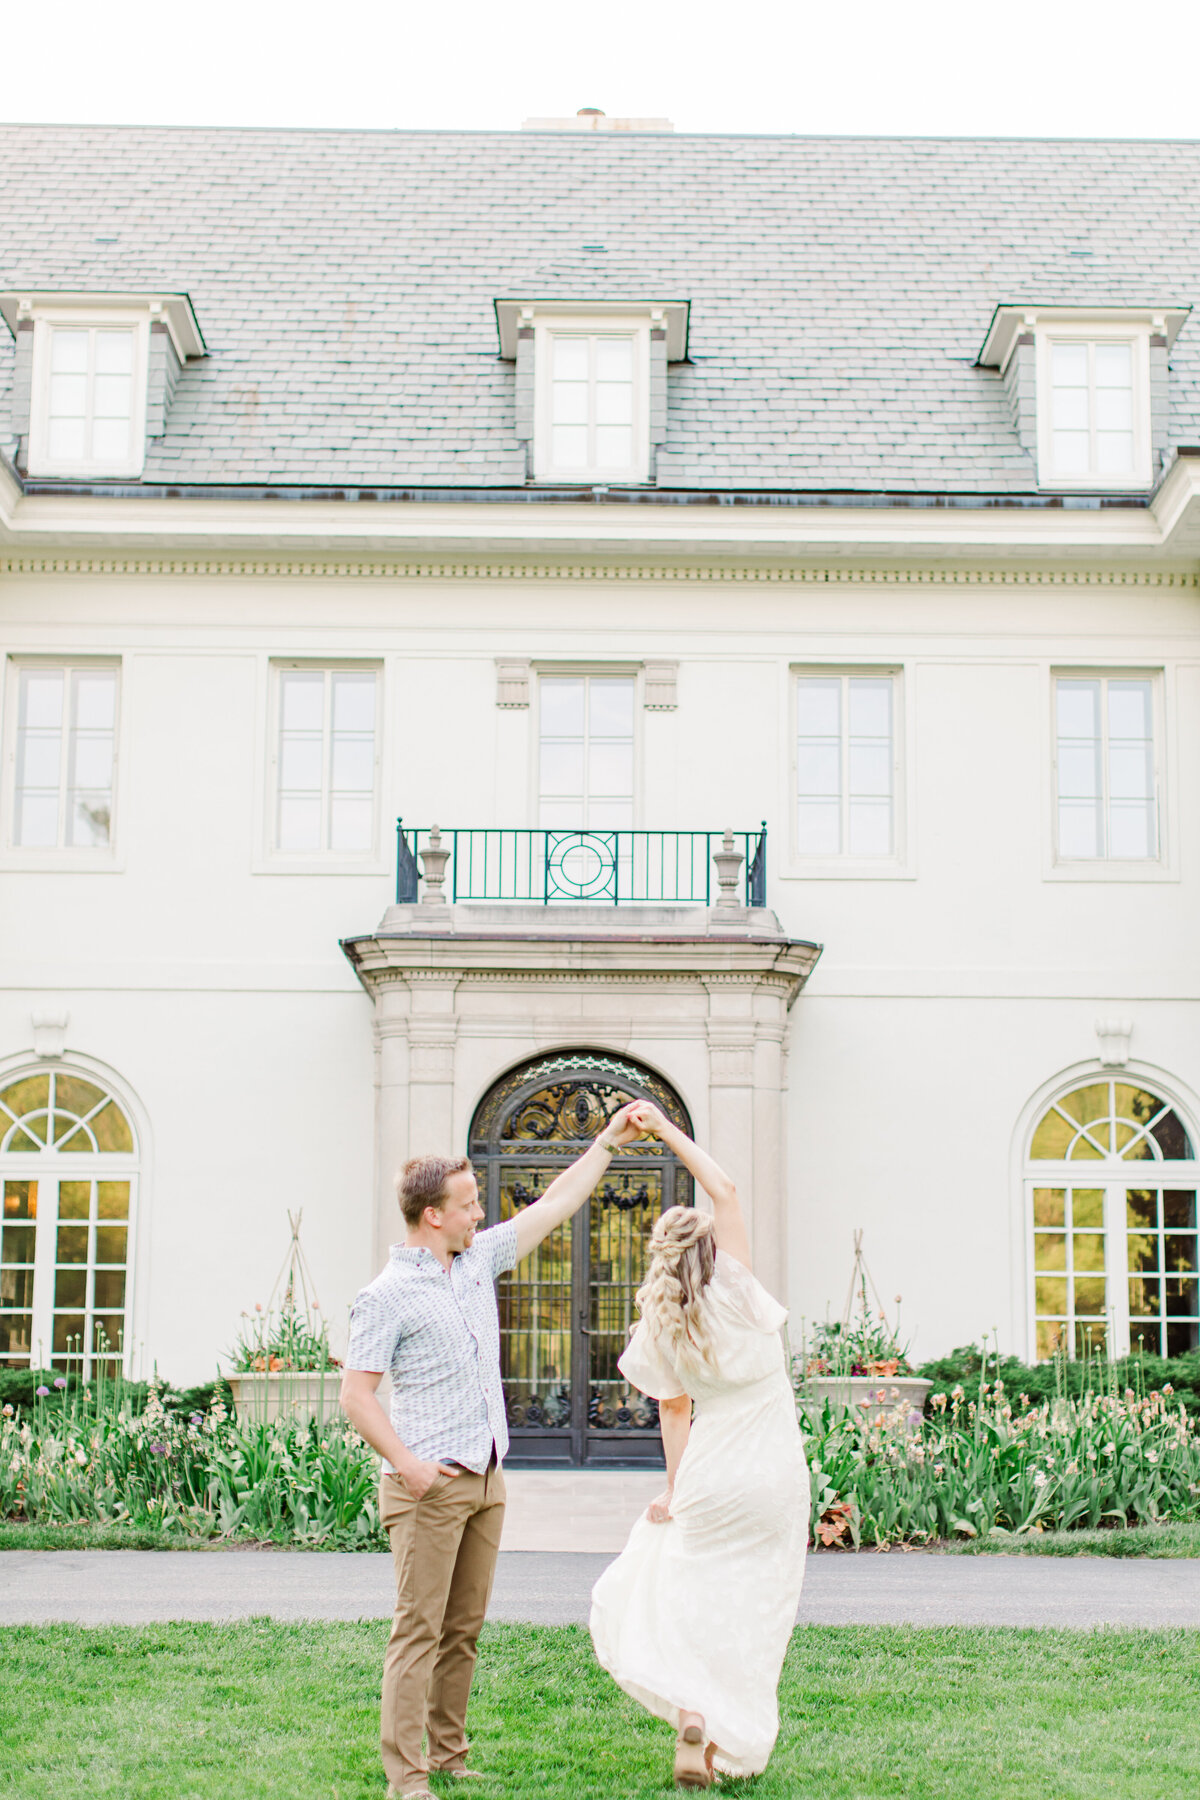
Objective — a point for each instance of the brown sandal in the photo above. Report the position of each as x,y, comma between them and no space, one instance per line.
691,1765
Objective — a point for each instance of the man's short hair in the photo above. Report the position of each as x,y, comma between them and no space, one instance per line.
422,1182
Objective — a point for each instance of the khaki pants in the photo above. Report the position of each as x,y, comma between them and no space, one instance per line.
444,1554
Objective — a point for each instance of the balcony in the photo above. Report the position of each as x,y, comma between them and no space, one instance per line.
583,867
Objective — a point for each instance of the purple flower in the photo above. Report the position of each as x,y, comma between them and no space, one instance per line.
195,1418
60,1381
42,1392
158,1449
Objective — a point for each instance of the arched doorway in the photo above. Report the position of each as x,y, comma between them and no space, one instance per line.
68,1168
566,1310
1112,1179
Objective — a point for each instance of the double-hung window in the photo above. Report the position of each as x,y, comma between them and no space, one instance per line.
846,765
585,762
65,756
1105,771
89,404
592,404
1094,410
326,760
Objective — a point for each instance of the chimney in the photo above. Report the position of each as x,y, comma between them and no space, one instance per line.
591,118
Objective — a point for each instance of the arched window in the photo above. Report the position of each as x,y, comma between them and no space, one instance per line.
1112,1179
69,1168
566,1310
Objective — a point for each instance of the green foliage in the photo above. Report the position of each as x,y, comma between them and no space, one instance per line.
93,1458
261,1709
865,1344
18,1389
288,1339
971,1363
977,1463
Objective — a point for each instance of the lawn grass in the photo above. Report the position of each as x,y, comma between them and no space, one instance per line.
210,1712
1176,1539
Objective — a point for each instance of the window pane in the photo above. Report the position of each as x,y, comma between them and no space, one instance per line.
614,360
1049,1206
562,769
68,1333
68,398
95,699
65,440
610,707
1087,1248
870,708
1078,829
70,1287
351,824
1179,1211
110,1243
1145,1298
570,359
354,703
40,760
1069,365
75,1200
302,698
1050,1251
20,1199
1114,452
114,353
818,770
69,351
93,762
1114,365
1071,413
353,768
1051,1294
112,397
610,768
113,1200
570,403
112,1133
1114,411
300,764
1130,771
1130,713
72,1243
18,1245
870,828
42,698
36,822
110,440
818,827
562,706
1071,452
570,446
870,769
299,824
110,1288
1087,1205
614,446
1131,829
1089,1294
1078,705
614,403
819,707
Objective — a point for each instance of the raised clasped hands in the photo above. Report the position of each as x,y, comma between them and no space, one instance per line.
621,1128
647,1117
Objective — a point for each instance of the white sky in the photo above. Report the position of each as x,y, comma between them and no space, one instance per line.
1057,68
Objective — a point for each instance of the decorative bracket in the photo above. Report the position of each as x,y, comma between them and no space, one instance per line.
659,691
1114,1035
49,1030
512,682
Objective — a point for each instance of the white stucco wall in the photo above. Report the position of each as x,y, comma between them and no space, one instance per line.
947,993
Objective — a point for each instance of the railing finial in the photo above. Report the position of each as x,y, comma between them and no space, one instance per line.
728,861
433,864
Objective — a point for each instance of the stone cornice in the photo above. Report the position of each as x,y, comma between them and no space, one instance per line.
697,573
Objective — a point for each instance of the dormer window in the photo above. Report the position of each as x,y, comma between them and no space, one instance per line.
98,372
592,421
591,384
1087,390
89,419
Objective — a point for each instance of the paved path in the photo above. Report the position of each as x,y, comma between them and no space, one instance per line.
132,1587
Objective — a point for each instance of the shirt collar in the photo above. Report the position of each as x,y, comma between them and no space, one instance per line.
416,1256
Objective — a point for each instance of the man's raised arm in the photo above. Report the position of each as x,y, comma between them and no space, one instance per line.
568,1191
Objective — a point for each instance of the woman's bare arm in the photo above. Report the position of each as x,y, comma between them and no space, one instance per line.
675,1419
729,1227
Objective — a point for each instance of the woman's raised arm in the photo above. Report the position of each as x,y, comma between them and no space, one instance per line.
729,1227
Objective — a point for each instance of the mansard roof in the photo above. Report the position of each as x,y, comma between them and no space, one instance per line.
839,289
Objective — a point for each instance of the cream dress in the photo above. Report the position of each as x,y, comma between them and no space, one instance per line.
695,1615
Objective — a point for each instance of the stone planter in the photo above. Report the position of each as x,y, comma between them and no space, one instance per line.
883,1393
288,1393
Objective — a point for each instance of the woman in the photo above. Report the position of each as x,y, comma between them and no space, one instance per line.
694,1617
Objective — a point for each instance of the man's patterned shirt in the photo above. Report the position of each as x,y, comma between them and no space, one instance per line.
438,1332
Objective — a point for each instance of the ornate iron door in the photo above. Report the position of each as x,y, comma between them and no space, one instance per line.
567,1310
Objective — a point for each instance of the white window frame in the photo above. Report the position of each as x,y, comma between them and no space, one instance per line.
49,1168
898,866
60,856
1140,473
46,320
1108,868
546,329
1112,1176
584,671
273,860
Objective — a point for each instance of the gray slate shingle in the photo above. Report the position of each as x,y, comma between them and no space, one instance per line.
840,288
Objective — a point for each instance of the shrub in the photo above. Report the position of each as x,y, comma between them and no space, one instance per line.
971,1363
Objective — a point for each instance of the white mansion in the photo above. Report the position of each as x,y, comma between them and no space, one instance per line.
594,494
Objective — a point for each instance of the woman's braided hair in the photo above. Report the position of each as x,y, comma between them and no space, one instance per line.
682,1258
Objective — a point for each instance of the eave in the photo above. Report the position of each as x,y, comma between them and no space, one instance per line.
785,527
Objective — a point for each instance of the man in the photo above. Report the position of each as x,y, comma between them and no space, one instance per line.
431,1319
